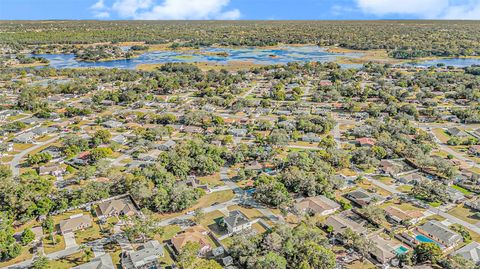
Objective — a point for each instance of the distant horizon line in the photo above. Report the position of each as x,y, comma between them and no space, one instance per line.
246,20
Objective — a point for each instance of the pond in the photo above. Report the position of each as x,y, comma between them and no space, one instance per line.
280,55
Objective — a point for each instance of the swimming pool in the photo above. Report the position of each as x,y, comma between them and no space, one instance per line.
401,250
423,239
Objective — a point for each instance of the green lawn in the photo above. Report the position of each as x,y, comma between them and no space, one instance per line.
168,232
464,214
90,234
463,190
50,247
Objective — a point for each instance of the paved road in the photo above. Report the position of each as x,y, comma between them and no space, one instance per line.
14,164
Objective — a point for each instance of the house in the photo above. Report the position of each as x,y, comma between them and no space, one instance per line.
238,132
456,132
112,124
440,233
389,167
382,250
470,252
196,234
75,223
25,138
311,138
397,215
150,156
237,222
193,129
340,223
320,205
43,130
145,258
363,198
365,142
168,145
410,178
455,196
120,139
54,170
475,205
117,207
193,182
325,83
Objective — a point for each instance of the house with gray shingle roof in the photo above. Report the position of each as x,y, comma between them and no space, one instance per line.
470,252
147,257
237,221
440,233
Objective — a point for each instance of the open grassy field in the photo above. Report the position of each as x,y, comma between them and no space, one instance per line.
465,214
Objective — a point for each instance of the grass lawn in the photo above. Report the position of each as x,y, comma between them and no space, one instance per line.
361,265
25,254
401,205
212,180
441,135
367,185
258,227
21,147
50,247
348,172
435,204
405,188
384,180
215,197
168,232
251,213
465,214
67,262
462,190
89,234
209,222
167,259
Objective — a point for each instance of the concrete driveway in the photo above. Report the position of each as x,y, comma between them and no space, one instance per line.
69,240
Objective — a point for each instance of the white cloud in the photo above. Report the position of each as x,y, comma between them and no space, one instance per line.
98,5
425,9
169,9
129,8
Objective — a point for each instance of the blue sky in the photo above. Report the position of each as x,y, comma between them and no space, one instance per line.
239,9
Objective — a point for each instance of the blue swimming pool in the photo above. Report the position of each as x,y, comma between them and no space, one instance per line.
401,250
423,239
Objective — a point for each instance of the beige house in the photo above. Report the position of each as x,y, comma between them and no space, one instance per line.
75,223
193,234
117,207
320,205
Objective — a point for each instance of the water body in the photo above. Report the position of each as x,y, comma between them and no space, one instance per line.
279,55
456,62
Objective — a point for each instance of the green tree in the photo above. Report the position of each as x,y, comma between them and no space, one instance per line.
27,237
41,262
271,261
188,255
427,252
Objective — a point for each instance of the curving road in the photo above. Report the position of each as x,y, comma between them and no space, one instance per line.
14,164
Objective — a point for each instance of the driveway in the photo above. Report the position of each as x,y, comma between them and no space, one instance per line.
69,240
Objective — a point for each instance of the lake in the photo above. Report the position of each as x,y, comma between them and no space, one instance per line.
280,55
